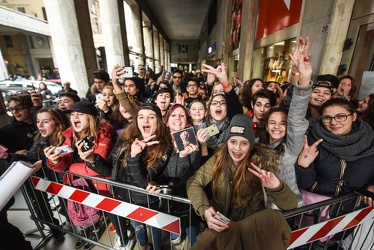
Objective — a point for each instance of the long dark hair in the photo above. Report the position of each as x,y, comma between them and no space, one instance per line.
264,135
154,152
246,92
368,115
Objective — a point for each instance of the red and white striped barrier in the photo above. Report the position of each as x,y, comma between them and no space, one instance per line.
330,227
148,216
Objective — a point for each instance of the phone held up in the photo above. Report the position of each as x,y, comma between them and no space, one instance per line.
127,72
88,143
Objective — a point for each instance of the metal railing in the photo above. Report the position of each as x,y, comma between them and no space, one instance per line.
311,229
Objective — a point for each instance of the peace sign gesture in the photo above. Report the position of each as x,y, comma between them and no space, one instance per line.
308,154
269,179
139,145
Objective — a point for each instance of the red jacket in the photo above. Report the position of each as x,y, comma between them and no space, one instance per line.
102,148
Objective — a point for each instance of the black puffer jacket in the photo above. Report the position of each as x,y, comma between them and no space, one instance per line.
136,173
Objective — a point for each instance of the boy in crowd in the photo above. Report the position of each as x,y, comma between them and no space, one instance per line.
101,79
193,91
163,97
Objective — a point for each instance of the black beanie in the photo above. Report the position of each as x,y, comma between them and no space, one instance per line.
152,107
85,108
241,125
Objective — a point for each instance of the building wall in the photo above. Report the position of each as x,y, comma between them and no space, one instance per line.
191,56
32,8
13,55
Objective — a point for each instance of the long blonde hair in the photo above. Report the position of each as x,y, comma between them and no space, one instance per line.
95,126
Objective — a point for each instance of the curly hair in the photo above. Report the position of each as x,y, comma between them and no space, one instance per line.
246,94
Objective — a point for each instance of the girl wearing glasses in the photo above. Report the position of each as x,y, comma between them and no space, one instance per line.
338,155
219,113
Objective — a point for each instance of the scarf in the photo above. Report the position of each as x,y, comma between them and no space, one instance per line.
214,141
356,145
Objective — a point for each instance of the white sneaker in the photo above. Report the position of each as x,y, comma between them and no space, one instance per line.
130,244
117,242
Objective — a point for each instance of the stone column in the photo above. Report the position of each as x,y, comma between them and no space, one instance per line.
73,43
162,58
156,49
4,74
138,34
147,31
114,33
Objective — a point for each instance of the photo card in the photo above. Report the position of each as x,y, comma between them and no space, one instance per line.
184,137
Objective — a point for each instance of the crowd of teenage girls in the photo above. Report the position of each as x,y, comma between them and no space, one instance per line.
272,141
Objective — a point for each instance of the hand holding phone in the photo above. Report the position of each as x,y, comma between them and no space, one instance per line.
221,218
88,143
212,130
127,72
64,149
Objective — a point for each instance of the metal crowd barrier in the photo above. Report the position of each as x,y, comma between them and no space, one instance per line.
347,226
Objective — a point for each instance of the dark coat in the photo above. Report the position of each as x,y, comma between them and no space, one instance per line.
264,230
17,135
325,171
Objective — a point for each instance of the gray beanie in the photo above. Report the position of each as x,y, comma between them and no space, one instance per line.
241,125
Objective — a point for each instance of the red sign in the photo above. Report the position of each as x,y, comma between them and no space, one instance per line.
276,15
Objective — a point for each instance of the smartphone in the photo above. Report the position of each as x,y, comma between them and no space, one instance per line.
3,149
64,149
88,143
221,218
212,130
99,96
365,192
127,72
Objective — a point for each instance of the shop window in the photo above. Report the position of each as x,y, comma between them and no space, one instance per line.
183,48
44,14
275,61
8,41
21,9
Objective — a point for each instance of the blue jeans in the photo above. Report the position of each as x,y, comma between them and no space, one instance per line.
141,234
141,231
192,233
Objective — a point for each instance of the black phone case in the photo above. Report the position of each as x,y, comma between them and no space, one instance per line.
88,143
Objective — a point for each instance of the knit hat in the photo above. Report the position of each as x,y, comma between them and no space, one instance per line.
152,107
85,108
241,125
70,95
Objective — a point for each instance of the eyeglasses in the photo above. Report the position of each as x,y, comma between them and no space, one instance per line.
215,103
338,118
18,109
191,86
177,77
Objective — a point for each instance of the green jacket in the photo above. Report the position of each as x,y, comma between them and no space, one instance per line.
282,196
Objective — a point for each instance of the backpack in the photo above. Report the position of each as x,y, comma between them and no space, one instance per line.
82,215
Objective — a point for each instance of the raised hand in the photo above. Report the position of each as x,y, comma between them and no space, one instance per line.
219,72
269,179
102,105
116,72
139,145
301,60
212,222
308,154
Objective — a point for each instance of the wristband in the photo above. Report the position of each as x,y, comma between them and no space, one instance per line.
226,85
295,73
